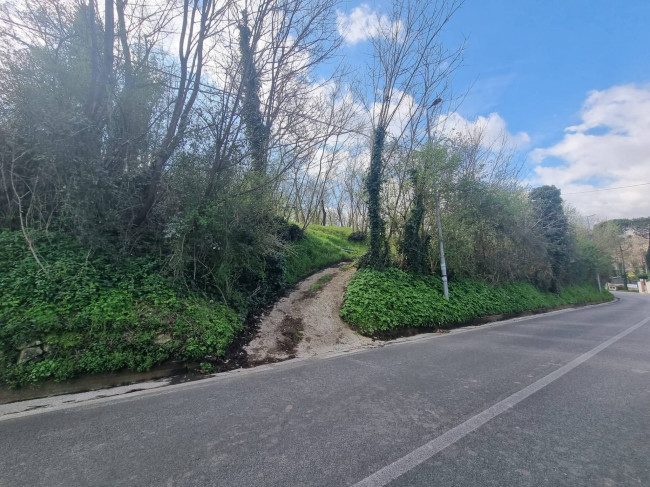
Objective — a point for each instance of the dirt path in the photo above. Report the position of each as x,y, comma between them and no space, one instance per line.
306,322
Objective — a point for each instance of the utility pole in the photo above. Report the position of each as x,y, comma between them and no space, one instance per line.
443,263
600,289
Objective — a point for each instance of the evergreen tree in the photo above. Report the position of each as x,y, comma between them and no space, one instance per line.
554,226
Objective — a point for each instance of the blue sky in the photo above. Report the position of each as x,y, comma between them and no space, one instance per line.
535,61
545,66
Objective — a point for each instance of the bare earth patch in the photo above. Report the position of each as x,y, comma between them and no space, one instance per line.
306,322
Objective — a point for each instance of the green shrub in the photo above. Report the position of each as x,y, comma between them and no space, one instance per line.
91,314
379,301
288,232
358,237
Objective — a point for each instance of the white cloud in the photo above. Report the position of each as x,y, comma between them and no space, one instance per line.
402,109
363,23
492,130
609,149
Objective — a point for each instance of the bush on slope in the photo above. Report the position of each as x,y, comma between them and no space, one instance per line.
379,301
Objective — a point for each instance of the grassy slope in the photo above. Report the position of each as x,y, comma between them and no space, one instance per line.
91,314
322,246
377,302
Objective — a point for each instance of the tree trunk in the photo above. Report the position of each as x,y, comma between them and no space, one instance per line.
373,186
323,211
257,132
188,89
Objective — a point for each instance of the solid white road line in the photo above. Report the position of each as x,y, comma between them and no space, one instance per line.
420,455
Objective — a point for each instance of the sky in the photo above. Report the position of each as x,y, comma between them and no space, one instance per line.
568,79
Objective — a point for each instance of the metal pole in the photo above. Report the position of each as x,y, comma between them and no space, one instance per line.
443,264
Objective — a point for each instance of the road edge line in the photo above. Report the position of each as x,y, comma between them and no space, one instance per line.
418,456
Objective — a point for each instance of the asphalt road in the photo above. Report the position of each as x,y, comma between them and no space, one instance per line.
561,399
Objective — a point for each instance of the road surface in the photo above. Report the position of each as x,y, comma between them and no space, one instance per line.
560,399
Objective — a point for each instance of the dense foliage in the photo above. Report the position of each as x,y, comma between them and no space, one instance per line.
92,313
554,226
627,243
163,165
414,244
378,248
380,301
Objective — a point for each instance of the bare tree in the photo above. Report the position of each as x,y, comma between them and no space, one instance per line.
337,131
402,72
198,19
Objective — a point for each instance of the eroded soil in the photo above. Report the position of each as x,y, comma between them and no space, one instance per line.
306,322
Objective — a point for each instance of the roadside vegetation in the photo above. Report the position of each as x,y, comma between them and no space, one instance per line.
627,243
380,302
92,313
167,168
321,247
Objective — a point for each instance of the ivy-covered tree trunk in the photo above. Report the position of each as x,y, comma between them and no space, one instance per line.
647,254
415,244
323,211
257,132
101,75
377,253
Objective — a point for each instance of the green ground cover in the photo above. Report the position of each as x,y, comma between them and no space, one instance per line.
92,314
89,314
377,302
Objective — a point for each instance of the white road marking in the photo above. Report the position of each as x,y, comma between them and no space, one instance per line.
420,455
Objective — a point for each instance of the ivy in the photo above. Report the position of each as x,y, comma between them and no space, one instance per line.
377,302
91,314
378,254
257,132
414,245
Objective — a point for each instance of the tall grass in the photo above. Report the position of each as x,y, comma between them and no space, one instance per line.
322,246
